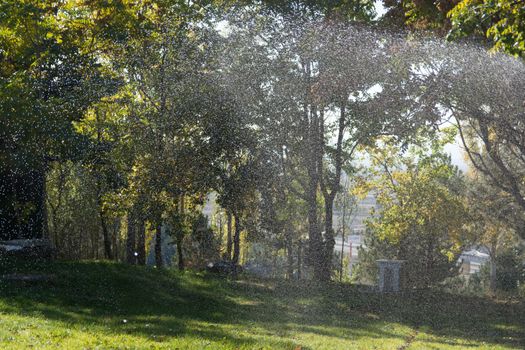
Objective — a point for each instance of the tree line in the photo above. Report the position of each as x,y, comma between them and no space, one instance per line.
119,118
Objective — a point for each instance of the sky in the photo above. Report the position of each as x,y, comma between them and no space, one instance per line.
457,154
380,9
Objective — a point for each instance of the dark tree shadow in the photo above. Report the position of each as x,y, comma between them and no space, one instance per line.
143,301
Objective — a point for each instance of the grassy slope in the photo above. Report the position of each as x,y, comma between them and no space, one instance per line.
111,306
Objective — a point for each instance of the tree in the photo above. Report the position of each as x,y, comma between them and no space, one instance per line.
423,217
208,244
72,211
54,66
496,218
499,23
179,118
131,237
502,21
314,91
489,115
47,80
281,208
237,187
490,120
464,85
347,203
419,14
349,10
511,273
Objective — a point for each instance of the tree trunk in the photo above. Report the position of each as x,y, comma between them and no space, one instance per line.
141,243
131,257
493,276
105,236
180,256
53,213
313,163
180,234
330,187
343,242
106,239
289,250
94,245
158,247
116,240
43,201
329,241
229,238
299,259
220,228
236,240
493,249
315,246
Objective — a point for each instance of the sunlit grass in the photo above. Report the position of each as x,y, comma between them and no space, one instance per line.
112,306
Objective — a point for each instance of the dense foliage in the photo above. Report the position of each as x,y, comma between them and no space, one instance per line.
423,218
121,119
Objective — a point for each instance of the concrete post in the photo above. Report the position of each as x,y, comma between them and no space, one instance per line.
389,275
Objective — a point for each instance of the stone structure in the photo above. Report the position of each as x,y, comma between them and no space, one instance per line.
390,275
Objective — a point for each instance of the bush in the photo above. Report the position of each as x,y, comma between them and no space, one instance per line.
510,270
469,285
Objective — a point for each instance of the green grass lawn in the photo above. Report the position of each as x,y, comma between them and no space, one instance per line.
112,306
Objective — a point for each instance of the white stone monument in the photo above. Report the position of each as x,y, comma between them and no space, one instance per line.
389,275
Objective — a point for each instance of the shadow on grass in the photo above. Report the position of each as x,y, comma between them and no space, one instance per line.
145,302
343,307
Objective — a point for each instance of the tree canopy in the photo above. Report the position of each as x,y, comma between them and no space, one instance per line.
127,116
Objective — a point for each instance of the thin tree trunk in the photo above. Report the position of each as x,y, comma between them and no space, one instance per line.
330,189
43,201
116,245
105,233
219,224
289,250
315,244
180,234
97,247
236,240
57,232
329,241
311,154
229,237
180,255
158,246
493,276
315,247
105,236
299,259
94,245
131,257
343,241
141,243
314,161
